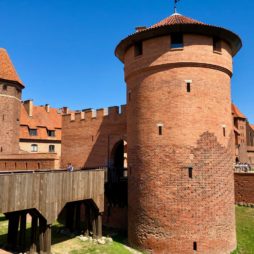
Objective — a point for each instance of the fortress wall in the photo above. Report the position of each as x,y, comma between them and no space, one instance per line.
89,136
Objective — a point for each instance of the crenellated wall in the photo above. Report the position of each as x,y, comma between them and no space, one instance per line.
88,136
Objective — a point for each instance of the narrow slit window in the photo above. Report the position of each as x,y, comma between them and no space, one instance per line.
3,117
190,172
195,246
1,149
216,44
138,48
160,130
188,87
176,40
224,131
129,96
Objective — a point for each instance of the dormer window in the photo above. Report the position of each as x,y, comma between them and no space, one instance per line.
33,132
51,133
176,40
216,44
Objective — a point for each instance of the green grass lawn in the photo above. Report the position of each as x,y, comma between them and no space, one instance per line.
245,230
65,245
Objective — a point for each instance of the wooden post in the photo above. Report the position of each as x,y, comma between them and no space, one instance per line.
42,228
94,219
47,239
12,237
99,225
77,217
87,219
33,247
70,217
22,232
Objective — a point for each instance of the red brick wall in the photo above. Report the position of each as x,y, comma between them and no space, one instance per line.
9,118
88,139
28,162
168,210
244,188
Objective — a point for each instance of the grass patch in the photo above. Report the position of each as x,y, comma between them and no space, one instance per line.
245,230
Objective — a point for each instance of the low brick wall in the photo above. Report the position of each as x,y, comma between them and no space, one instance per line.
244,188
29,161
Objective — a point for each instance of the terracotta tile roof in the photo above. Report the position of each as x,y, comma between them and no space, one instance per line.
252,126
177,19
42,121
236,112
7,69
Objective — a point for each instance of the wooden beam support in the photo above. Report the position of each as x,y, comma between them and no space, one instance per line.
22,232
47,239
13,226
33,245
99,225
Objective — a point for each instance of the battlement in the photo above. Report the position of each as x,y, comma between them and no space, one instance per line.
92,114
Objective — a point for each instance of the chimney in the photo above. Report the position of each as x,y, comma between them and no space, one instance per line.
47,108
28,104
140,28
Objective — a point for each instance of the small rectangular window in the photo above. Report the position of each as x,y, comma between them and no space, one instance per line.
51,148
34,148
51,133
188,84
195,246
33,132
138,48
190,171
176,40
216,44
224,131
160,130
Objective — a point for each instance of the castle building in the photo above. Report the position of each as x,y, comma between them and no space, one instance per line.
244,137
180,136
18,143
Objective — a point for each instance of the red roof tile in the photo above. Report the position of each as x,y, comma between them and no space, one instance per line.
237,113
7,69
177,19
42,121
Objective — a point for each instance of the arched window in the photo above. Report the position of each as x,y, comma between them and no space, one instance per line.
34,148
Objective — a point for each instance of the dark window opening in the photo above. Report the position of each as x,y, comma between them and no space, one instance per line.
33,132
39,166
51,133
195,246
129,95
224,131
216,44
5,87
3,117
26,166
138,48
176,40
190,170
1,149
160,130
92,138
188,87
51,148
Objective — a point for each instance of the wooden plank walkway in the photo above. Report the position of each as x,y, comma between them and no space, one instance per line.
43,195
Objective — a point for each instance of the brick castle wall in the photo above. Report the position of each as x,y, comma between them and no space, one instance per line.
181,185
10,97
244,188
89,137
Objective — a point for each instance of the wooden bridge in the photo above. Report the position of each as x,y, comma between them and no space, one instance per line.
44,195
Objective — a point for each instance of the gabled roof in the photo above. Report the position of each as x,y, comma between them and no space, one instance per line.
237,113
7,69
179,23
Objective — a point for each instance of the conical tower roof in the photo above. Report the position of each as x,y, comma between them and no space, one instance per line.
183,24
177,18
7,69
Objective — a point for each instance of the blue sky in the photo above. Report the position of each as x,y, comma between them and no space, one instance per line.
63,50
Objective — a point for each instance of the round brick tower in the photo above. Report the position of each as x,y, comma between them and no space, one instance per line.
10,96
180,137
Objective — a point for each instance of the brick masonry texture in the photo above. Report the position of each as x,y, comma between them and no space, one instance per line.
10,96
244,188
88,139
168,210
